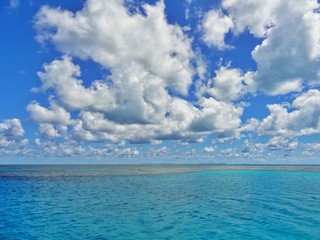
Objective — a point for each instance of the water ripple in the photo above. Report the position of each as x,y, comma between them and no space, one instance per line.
224,204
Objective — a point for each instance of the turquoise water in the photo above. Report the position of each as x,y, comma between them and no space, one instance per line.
159,202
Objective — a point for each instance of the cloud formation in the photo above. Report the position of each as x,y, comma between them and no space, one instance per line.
11,134
243,73
215,26
150,64
107,33
299,118
56,114
289,55
229,84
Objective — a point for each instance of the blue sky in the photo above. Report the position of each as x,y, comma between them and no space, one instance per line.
160,81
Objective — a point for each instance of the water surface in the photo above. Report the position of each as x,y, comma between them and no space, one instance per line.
159,202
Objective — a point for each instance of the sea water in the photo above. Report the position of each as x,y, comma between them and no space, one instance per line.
159,202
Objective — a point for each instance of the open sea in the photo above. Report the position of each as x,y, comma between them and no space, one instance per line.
159,202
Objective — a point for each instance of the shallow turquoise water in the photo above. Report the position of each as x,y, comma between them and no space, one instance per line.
159,202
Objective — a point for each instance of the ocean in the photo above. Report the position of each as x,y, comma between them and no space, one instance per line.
159,202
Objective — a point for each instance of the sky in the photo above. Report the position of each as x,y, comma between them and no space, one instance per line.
131,81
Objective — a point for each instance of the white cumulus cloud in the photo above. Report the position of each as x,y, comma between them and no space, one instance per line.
215,26
229,84
11,134
56,114
299,118
108,34
149,60
289,55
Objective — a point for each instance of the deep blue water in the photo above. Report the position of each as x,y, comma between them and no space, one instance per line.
157,202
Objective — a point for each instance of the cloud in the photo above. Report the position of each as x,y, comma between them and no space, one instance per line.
299,118
289,54
282,143
59,149
215,27
183,121
229,84
56,114
312,146
107,33
11,134
251,125
52,122
209,149
216,116
272,148
146,98
132,104
257,17
95,127
251,148
48,130
130,151
141,97
61,76
11,128
166,82
70,148
311,150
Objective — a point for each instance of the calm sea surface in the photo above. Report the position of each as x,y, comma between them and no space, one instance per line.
159,202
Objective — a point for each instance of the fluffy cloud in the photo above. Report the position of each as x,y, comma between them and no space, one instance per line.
215,26
209,149
56,114
275,145
59,149
255,16
72,148
216,116
288,56
11,128
148,59
11,134
130,151
107,33
184,121
284,63
52,131
159,84
282,143
61,76
52,122
135,96
300,118
141,96
229,84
